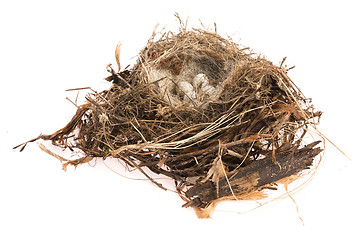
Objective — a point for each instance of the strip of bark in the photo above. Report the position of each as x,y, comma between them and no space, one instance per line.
254,176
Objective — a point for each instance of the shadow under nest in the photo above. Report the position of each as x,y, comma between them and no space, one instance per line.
201,110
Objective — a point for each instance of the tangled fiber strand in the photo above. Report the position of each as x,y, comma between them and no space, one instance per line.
201,110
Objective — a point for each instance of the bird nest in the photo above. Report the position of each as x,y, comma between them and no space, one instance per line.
220,121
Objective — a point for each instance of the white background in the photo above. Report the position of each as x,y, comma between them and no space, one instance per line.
48,47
